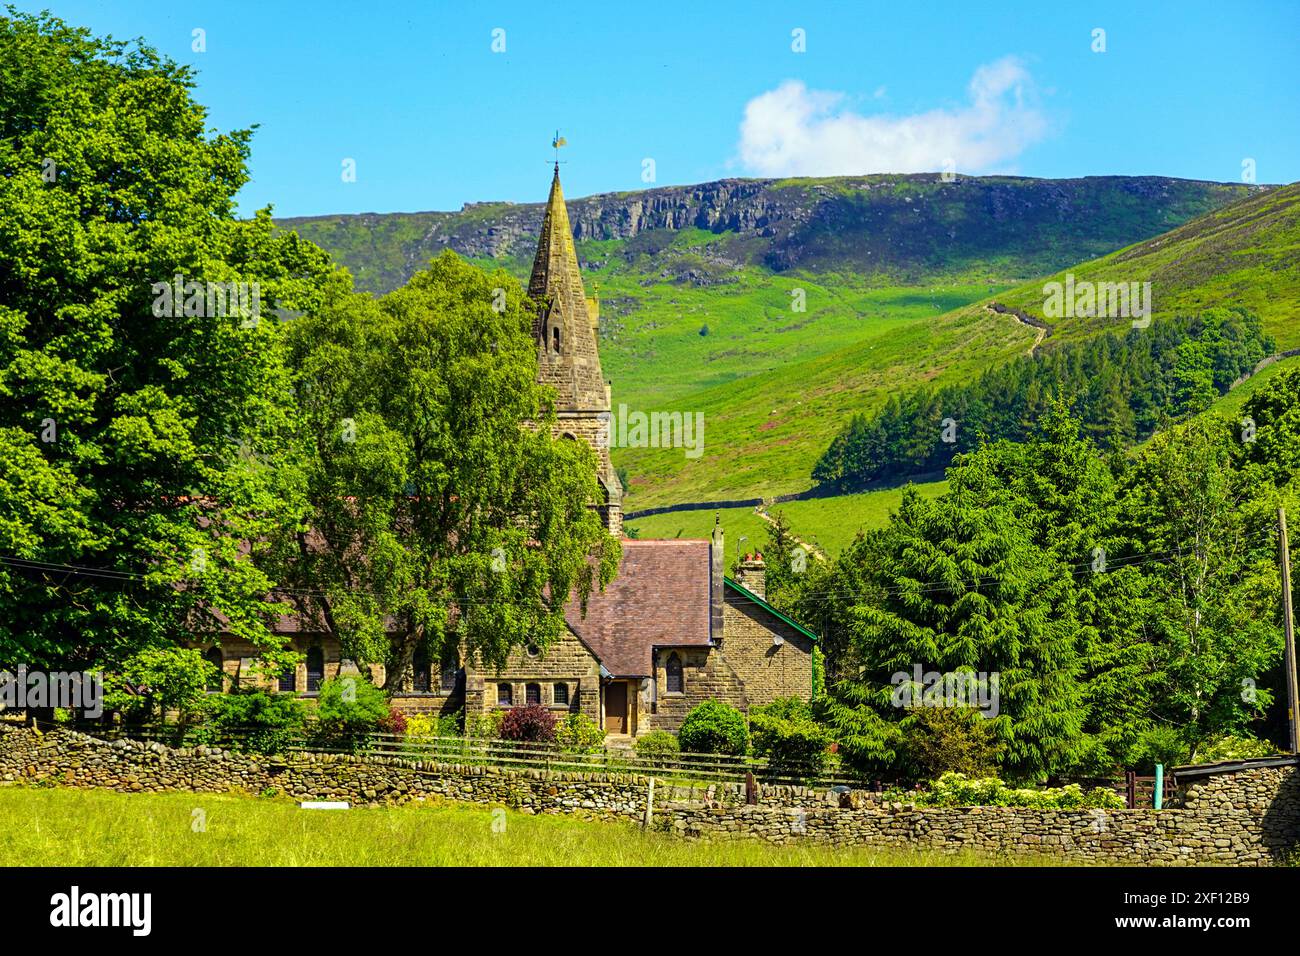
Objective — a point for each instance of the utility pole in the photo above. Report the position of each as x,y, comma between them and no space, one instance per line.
1288,627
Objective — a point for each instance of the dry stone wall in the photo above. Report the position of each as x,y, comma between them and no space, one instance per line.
1246,818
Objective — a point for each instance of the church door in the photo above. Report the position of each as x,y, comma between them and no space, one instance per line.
616,708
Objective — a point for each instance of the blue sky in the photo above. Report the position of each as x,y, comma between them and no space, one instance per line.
433,118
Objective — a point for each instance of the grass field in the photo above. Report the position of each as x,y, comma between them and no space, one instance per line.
827,523
54,827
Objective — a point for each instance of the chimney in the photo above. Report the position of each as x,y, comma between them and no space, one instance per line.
751,574
717,568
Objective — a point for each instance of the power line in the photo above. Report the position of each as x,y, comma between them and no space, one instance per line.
1082,569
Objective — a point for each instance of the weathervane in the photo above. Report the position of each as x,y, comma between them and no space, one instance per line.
556,143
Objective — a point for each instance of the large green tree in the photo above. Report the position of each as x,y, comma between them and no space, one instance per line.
442,513
1211,587
958,584
141,440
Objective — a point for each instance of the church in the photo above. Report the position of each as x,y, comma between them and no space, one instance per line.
670,631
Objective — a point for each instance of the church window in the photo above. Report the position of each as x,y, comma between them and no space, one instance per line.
560,694
505,694
315,669
555,338
289,679
421,680
449,674
533,694
674,671
213,656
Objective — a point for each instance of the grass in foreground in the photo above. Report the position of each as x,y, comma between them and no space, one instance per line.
55,827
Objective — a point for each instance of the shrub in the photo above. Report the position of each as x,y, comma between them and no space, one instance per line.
255,719
1159,744
484,726
1232,747
579,734
785,732
530,724
394,723
349,708
959,790
941,740
433,725
714,728
657,748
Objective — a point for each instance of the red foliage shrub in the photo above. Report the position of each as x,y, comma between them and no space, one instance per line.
532,724
394,723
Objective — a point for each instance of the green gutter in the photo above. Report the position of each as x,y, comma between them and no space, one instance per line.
767,607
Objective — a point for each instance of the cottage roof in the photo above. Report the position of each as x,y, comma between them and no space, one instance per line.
659,598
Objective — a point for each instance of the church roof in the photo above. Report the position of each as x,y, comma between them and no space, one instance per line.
556,285
659,598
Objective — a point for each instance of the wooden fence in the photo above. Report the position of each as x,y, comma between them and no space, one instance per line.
472,751
1137,791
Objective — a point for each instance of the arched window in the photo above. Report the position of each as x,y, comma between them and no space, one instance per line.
422,680
532,694
289,679
560,694
214,657
315,669
449,674
505,694
555,338
674,669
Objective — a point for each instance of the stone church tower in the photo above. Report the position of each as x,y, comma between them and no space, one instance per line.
567,357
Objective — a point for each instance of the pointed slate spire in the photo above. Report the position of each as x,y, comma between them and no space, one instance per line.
567,355
566,341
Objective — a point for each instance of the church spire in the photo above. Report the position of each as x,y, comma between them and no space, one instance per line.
566,340
567,355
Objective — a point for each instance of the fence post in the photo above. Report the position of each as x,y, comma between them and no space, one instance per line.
751,790
649,803
1130,788
1160,786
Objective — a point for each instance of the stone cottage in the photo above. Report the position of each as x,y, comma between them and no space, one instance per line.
672,629
670,632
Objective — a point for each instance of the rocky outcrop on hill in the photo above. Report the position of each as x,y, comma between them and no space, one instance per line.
904,228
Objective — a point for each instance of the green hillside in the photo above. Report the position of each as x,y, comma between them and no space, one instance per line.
828,524
777,309
1246,254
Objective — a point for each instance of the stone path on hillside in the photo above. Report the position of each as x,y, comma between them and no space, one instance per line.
816,552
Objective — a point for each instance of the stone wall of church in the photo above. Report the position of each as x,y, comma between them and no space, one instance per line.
594,430
567,662
239,658
768,670
706,675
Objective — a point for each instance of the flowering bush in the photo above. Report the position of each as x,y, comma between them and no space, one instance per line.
959,790
433,725
531,724
578,733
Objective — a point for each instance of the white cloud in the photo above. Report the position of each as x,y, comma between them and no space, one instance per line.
795,131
